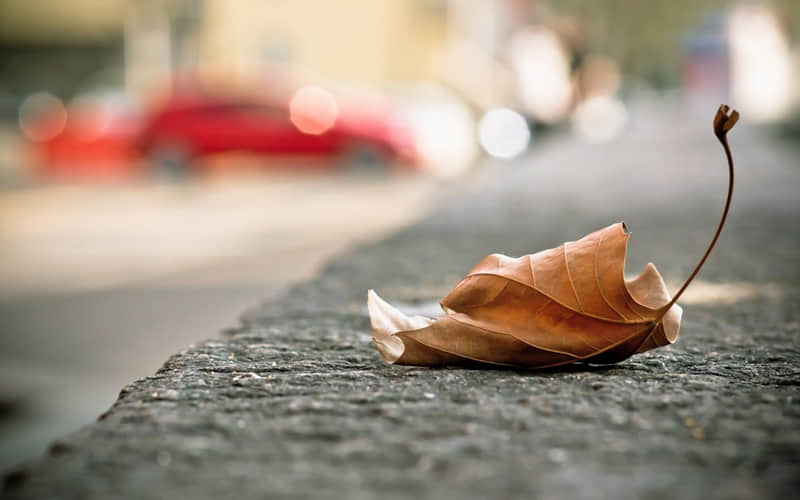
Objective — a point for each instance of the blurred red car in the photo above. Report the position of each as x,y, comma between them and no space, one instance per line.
193,126
95,137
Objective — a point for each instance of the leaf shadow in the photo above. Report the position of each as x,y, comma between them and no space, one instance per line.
562,369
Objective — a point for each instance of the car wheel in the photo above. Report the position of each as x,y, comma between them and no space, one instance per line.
170,162
364,156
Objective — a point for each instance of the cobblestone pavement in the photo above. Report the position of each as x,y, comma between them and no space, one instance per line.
295,403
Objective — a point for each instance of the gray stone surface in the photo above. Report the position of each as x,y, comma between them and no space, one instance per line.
295,402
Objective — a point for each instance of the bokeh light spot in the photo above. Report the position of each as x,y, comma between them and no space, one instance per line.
313,110
543,73
503,133
42,116
599,119
444,133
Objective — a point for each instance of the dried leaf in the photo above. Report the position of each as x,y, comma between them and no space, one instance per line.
555,307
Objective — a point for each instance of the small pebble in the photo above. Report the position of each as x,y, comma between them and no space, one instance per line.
170,394
246,378
557,455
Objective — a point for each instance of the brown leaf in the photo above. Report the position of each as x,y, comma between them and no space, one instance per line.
558,306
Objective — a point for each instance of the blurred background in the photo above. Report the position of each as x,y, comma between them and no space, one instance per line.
166,163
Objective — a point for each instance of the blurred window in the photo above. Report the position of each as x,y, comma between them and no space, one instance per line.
243,109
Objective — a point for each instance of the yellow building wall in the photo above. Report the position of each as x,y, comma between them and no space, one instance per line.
374,41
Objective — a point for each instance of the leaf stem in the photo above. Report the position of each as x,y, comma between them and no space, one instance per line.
725,119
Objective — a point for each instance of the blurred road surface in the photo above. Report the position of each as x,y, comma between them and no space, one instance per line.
100,284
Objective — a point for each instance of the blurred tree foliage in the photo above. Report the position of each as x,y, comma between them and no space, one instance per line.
646,36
